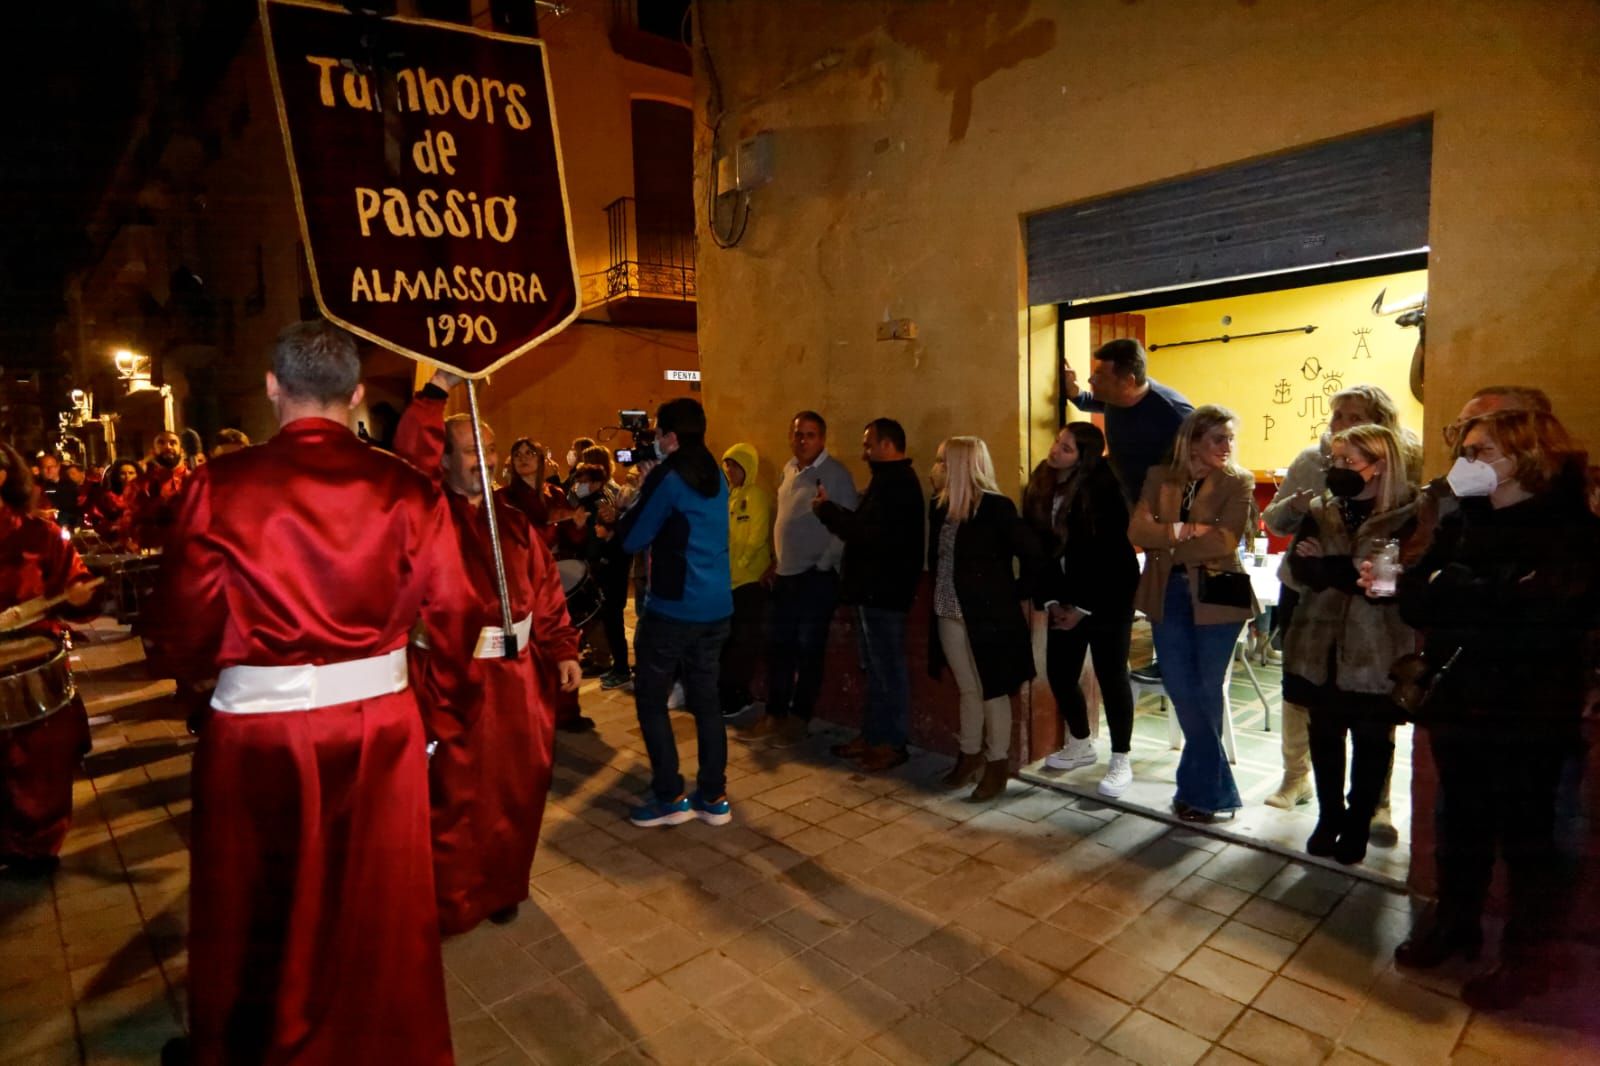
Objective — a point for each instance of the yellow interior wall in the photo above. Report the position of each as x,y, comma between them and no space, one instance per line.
1279,386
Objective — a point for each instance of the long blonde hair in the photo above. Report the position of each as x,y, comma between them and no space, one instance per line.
1201,420
968,474
1380,444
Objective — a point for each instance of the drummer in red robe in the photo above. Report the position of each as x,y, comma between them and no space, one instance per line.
490,769
294,574
161,483
39,758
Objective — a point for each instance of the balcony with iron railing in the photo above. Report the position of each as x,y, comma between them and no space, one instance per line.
650,278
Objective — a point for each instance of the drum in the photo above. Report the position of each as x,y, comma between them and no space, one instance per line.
130,577
35,680
584,598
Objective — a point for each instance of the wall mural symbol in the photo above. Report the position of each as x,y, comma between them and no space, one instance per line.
1311,368
1314,407
1282,392
1361,343
1266,432
1332,382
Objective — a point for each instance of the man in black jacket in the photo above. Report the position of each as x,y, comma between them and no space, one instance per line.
878,576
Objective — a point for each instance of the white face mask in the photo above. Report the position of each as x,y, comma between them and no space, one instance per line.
1470,477
582,489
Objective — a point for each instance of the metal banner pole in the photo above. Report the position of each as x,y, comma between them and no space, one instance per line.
494,526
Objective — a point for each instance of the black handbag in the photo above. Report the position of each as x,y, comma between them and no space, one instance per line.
1416,682
1223,588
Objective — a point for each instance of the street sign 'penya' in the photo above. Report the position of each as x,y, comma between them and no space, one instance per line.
427,174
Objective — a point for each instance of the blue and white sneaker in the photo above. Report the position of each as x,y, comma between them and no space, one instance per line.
662,812
716,812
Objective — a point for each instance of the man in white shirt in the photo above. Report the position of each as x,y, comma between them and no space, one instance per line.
804,580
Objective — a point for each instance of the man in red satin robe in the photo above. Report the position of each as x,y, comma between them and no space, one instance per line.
37,759
490,716
159,488
297,569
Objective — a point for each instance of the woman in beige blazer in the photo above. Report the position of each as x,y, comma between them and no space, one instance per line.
1190,517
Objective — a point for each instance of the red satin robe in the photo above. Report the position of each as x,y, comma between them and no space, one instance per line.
111,513
490,773
536,504
38,760
314,938
156,506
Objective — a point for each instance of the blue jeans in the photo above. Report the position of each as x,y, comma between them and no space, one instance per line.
883,656
665,649
1194,662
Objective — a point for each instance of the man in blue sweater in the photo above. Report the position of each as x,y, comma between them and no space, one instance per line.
681,516
1142,419
1142,415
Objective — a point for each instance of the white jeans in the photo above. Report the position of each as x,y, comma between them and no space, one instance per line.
976,712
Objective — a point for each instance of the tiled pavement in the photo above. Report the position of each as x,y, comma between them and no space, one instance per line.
840,918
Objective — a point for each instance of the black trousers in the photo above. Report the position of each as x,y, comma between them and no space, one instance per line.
1500,791
1371,754
613,578
802,608
668,650
1105,640
745,640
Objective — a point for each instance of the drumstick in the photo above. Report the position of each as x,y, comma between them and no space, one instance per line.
29,611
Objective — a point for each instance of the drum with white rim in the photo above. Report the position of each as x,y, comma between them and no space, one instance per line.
35,679
584,598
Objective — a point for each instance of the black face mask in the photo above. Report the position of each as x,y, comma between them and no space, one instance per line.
1345,483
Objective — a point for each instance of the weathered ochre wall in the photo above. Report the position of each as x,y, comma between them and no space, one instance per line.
909,138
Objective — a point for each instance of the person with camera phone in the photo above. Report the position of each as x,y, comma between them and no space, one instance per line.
1340,643
1190,516
681,516
1506,596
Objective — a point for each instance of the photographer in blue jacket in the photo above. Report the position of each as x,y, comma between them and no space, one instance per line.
681,516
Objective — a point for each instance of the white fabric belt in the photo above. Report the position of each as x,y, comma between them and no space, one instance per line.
272,689
492,639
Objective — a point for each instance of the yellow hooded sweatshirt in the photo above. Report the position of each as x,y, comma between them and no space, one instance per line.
749,520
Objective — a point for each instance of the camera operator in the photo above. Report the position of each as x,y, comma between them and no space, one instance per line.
681,516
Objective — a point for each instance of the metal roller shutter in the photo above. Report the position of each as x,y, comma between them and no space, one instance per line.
1336,202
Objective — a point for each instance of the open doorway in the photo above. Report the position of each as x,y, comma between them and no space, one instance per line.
1287,352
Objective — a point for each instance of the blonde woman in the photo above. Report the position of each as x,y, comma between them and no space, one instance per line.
1359,405
975,539
1189,519
1340,644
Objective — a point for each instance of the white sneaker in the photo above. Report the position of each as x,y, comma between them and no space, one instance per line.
1119,775
676,699
1076,753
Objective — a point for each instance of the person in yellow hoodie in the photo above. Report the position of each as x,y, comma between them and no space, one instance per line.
750,559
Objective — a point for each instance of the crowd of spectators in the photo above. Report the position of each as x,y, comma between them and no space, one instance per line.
1465,605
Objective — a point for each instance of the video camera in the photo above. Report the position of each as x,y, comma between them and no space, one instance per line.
642,448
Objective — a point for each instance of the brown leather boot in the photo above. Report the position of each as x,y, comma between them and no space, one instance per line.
964,772
995,774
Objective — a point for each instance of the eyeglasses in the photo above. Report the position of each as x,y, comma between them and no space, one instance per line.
1452,432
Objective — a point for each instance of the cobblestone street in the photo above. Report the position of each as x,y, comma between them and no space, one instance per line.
840,918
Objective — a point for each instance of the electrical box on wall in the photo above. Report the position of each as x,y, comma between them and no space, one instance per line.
748,166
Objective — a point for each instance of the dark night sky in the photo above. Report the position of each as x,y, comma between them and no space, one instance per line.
72,77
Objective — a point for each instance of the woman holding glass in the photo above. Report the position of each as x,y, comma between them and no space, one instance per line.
1340,643
1189,520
